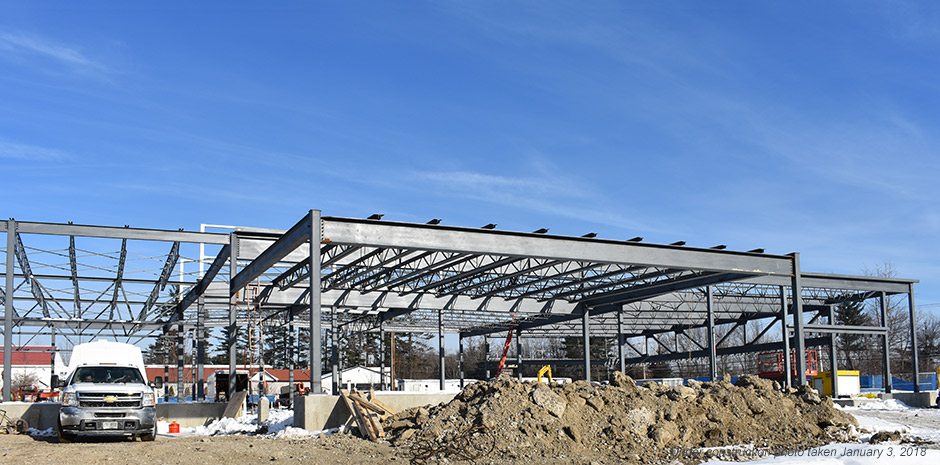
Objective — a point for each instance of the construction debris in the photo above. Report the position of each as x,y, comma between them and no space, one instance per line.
510,421
368,413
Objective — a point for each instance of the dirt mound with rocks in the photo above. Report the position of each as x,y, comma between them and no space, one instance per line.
506,421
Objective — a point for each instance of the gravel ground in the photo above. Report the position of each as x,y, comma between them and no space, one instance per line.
340,449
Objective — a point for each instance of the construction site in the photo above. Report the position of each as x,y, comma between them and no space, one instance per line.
585,349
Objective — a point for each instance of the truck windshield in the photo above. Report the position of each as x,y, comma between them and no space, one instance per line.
107,375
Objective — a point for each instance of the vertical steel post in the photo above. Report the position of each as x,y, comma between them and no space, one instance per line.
797,290
290,355
200,348
712,350
621,342
334,353
519,353
52,375
8,314
180,356
785,328
486,355
381,355
912,312
833,355
885,344
440,347
586,338
316,364
232,318
166,376
460,358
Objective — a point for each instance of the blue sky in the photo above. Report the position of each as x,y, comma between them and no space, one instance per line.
785,125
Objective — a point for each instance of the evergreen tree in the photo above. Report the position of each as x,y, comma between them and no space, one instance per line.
852,313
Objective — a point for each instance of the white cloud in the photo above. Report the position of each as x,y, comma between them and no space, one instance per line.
20,45
16,151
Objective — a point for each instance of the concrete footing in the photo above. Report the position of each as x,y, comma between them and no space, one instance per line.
320,412
923,399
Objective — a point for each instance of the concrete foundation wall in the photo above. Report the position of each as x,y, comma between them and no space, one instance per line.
923,399
39,415
191,415
43,415
319,412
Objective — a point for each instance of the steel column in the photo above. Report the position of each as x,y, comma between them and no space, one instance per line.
180,355
621,342
712,354
797,290
381,355
316,364
440,347
915,365
334,353
519,354
785,331
200,349
586,339
460,359
833,355
885,344
290,356
8,313
232,317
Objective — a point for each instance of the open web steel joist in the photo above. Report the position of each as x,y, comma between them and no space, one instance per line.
373,275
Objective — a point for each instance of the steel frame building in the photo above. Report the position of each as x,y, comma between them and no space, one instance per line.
353,275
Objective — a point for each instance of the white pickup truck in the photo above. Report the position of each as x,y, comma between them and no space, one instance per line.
106,393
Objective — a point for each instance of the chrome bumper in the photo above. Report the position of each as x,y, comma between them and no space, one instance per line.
89,421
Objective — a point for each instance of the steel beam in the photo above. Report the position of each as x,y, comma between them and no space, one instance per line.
833,354
112,232
844,329
440,349
621,341
751,348
508,244
785,332
171,259
199,289
284,245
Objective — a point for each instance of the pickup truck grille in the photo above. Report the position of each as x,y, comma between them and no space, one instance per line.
106,400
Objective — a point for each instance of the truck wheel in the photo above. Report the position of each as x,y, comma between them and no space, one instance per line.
151,436
64,437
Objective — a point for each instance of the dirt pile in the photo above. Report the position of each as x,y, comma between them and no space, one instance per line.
509,421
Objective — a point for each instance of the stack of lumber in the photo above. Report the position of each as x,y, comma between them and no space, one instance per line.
368,413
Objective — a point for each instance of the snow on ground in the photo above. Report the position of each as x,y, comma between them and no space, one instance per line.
893,415
278,425
41,433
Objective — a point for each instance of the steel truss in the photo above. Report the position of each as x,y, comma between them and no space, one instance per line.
374,276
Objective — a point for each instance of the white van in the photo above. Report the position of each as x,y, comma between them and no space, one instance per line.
106,394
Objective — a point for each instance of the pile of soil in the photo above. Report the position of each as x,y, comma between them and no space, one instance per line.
509,421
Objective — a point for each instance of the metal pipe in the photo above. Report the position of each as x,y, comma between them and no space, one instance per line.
316,365
885,344
8,314
797,290
915,365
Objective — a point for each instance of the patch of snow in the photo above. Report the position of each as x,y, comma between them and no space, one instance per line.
41,433
890,404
